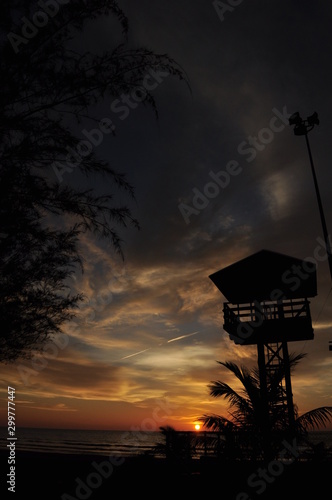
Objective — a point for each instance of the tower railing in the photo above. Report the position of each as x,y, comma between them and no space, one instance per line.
269,318
265,311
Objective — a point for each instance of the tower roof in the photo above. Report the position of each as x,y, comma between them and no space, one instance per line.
265,275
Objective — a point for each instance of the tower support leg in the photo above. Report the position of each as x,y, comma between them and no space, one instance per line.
289,392
265,419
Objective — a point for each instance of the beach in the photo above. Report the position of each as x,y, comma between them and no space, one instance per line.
67,477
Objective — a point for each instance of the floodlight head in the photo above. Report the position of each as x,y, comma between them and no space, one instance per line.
313,119
295,119
300,129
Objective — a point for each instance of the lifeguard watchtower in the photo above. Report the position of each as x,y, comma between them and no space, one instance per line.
268,306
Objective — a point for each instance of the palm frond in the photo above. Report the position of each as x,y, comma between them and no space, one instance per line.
314,419
217,422
250,384
241,372
218,389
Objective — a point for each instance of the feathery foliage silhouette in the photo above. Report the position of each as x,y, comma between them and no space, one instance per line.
48,88
246,411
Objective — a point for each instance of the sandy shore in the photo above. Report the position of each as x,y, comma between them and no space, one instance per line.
69,477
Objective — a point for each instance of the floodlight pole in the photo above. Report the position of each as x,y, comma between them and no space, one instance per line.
320,206
302,127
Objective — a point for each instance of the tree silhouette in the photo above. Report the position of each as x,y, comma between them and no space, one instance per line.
178,448
49,89
244,432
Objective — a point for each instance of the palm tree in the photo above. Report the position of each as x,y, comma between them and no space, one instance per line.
245,432
178,448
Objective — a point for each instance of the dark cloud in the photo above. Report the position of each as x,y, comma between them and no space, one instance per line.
261,58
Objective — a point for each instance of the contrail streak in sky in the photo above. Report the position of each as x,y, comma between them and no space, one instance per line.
135,354
182,337
168,341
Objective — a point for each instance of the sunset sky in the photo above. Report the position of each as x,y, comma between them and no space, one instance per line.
144,345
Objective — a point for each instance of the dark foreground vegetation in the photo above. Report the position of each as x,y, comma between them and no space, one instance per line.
68,477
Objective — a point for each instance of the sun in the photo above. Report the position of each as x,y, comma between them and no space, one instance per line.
197,427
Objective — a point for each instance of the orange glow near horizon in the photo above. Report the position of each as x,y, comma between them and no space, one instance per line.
146,360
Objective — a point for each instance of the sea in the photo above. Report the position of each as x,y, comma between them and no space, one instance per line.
88,442
105,442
